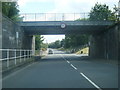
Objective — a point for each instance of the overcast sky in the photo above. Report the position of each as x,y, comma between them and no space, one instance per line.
60,6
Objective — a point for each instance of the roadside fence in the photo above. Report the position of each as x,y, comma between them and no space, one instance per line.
14,56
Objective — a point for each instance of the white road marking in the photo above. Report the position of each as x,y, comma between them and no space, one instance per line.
63,57
73,67
91,81
68,62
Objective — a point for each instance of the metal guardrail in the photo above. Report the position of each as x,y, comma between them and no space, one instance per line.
58,16
18,54
53,16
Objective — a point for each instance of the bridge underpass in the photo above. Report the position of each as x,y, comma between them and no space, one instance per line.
99,41
59,74
20,35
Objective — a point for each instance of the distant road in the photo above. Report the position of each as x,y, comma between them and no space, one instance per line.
61,70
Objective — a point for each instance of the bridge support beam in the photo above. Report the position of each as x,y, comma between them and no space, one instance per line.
97,47
106,45
33,45
27,42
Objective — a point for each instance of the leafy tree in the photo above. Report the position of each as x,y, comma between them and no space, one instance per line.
82,19
72,41
44,46
67,41
38,42
101,12
10,9
116,11
56,44
62,42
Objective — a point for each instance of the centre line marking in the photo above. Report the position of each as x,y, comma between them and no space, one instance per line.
73,67
68,62
63,57
91,81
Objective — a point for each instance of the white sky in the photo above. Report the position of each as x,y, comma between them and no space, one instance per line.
60,6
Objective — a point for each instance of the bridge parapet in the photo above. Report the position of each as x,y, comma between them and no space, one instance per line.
61,16
54,16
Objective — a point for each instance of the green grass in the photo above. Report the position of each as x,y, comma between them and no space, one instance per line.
37,52
84,50
78,51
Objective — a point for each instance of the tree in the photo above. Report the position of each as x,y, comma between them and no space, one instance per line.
56,44
10,9
38,42
67,41
44,46
72,41
101,12
116,12
62,42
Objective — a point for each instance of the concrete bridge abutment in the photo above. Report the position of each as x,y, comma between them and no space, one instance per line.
106,45
14,36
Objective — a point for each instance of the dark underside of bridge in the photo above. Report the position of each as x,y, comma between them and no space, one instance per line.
47,30
71,27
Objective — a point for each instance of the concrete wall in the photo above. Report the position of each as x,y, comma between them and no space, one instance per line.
0,44
106,44
119,42
13,36
0,28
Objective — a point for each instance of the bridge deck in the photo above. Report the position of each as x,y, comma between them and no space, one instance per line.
54,27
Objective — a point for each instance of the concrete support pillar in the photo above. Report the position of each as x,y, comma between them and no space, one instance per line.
91,44
33,45
97,46
106,45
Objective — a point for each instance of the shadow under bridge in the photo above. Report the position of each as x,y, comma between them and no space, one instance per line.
64,27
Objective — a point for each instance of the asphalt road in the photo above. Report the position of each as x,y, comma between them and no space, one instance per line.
60,70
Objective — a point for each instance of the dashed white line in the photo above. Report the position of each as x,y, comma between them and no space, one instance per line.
73,67
68,62
63,57
83,75
91,81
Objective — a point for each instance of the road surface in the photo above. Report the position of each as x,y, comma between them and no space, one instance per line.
61,70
